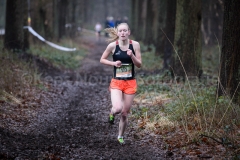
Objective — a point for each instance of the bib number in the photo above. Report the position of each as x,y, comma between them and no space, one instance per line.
124,71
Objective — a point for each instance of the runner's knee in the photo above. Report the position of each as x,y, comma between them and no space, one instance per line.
116,110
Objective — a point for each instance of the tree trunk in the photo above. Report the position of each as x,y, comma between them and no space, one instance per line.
14,37
155,20
169,31
25,23
2,13
142,19
62,17
187,40
55,19
159,43
139,21
230,56
212,17
148,33
136,19
133,20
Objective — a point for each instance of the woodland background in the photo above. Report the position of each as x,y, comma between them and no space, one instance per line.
190,47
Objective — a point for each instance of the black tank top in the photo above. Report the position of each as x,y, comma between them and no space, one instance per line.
126,71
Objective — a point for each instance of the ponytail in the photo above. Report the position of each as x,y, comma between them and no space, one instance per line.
112,32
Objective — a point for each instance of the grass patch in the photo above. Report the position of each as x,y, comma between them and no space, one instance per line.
60,59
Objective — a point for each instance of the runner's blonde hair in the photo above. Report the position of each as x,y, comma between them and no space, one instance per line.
112,32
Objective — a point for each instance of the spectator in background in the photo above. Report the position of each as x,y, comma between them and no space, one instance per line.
98,29
111,22
118,21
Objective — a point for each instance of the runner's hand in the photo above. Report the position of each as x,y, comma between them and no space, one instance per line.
118,64
129,52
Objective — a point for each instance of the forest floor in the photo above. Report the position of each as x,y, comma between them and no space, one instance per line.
70,121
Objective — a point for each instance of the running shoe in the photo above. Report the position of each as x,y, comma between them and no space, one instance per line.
111,119
120,140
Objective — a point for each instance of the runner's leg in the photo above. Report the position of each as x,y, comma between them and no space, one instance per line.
116,98
127,103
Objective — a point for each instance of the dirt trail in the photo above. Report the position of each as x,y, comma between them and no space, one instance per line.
73,125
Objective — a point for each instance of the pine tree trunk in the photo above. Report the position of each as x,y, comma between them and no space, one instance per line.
169,31
134,19
187,40
62,17
212,19
25,23
161,25
230,56
142,19
2,13
14,37
55,19
137,20
148,37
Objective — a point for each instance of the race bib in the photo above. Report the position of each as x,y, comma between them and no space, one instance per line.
124,71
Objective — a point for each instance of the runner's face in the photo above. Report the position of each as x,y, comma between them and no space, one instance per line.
123,32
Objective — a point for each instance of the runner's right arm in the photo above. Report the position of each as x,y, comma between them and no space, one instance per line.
110,49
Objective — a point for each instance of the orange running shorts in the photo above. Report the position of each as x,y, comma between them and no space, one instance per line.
126,86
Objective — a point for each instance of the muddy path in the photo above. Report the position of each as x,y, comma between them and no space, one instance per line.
73,124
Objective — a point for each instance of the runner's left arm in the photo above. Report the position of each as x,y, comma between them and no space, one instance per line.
137,59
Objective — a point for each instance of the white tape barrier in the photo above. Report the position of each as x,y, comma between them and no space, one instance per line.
49,43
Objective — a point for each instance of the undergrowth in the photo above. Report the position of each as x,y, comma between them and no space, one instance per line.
16,76
163,105
150,60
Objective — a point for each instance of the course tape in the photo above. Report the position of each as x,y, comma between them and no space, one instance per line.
30,29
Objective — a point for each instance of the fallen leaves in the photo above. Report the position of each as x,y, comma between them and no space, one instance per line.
150,98
9,97
23,106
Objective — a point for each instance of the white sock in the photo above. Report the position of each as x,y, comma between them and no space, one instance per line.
120,137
